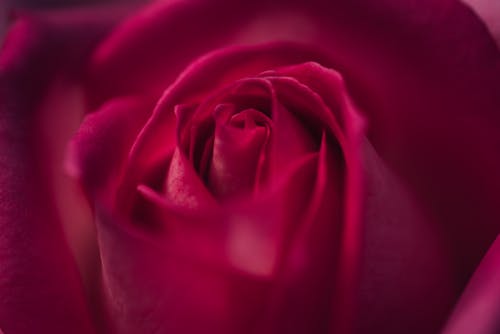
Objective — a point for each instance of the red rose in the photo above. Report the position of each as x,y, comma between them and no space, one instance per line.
286,167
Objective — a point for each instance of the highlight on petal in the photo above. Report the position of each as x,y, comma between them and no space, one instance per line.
99,150
183,186
154,287
478,308
488,11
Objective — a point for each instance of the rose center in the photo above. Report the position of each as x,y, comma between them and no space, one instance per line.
242,136
238,153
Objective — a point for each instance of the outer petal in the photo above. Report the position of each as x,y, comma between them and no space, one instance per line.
479,306
99,150
406,276
40,288
489,11
305,297
425,73
409,65
217,268
207,74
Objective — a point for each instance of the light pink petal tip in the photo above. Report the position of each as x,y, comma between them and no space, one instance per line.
479,307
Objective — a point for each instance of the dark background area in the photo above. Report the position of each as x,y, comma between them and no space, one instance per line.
36,4
488,10
7,5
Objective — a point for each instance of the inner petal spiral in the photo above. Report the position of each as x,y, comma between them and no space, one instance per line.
244,135
239,151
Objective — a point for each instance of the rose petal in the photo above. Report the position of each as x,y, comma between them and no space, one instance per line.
430,97
100,149
235,159
488,11
266,218
291,138
421,87
435,152
136,42
183,186
226,66
304,296
405,261
216,267
479,306
38,269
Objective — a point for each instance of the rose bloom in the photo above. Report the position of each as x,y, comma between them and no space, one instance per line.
250,167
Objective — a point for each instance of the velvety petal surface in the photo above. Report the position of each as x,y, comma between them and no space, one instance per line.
40,286
489,11
205,77
217,267
478,308
425,76
405,266
99,150
420,86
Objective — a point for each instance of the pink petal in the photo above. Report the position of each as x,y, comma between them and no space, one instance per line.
426,75
183,186
150,65
197,81
99,150
235,159
406,280
40,287
305,293
216,268
488,10
478,308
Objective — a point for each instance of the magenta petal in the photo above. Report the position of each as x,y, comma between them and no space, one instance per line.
197,81
183,186
426,74
322,89
133,61
305,293
151,287
488,11
405,262
478,309
291,138
428,98
236,154
99,151
216,268
244,234
260,229
40,288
